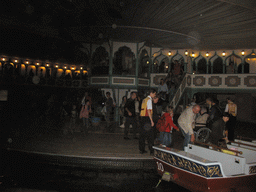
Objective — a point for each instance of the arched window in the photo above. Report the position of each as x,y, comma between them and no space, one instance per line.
232,62
100,62
218,65
201,66
124,62
246,68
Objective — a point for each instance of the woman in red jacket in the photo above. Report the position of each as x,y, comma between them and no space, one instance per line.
169,125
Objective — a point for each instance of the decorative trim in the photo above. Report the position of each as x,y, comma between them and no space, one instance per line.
232,81
215,81
199,81
99,80
252,169
143,82
208,171
250,81
123,81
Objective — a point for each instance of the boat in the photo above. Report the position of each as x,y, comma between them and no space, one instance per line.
202,167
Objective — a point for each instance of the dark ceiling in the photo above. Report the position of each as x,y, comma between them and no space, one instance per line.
56,29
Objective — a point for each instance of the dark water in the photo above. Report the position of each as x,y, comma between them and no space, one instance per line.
39,177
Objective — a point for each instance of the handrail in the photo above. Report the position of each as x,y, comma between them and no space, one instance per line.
215,146
238,143
174,102
242,137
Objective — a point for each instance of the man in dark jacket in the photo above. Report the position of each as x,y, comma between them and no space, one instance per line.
219,131
129,113
215,112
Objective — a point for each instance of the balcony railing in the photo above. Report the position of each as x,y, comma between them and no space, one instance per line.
55,82
210,82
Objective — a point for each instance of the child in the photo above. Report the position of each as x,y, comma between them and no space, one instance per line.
169,125
84,114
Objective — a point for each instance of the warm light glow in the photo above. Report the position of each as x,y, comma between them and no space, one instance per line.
193,54
186,53
56,66
223,54
242,52
27,62
37,63
207,54
84,71
147,62
47,65
65,67
81,68
16,61
73,68
166,66
3,59
170,53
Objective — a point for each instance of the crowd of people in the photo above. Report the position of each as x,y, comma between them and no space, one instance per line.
147,120
156,126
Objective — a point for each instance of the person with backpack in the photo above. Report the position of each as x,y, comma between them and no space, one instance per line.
165,126
146,130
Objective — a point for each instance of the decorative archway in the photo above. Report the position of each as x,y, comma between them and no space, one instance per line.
100,61
124,62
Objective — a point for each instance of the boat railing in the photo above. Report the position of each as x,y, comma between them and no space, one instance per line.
222,149
243,144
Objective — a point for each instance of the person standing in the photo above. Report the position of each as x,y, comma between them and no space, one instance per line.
137,110
129,113
109,109
231,109
86,97
186,122
168,127
84,115
215,112
156,115
147,123
163,89
124,99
